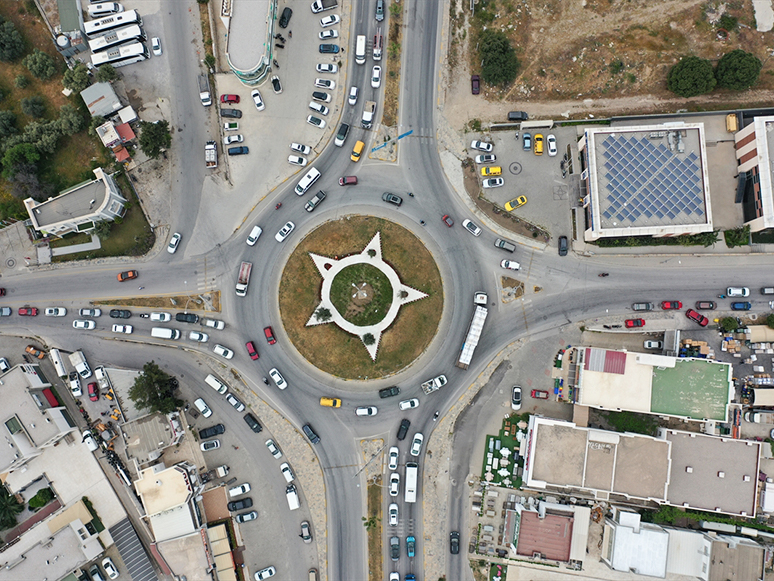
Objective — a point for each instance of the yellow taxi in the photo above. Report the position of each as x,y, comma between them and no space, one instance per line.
491,171
515,203
357,151
538,141
330,402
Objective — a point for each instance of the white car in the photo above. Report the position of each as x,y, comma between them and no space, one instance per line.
265,573
110,567
160,317
737,291
237,490
516,398
652,344
198,336
254,235
300,148
551,140
229,139
408,404
273,449
394,576
486,158
234,401
284,231
4,365
330,20
286,472
156,46
393,512
276,376
88,439
352,99
510,264
75,385
416,444
256,95
123,329
90,312
482,146
316,121
327,68
214,324
315,106
328,34
376,77
493,182
208,445
297,160
276,85
471,227
83,324
224,352
394,484
173,243
392,463
366,411
56,312
325,84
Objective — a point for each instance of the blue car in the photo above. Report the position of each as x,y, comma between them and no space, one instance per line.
410,546
743,306
329,48
241,150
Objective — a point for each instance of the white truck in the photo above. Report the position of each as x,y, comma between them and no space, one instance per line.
102,379
321,5
204,90
377,54
211,155
78,360
757,417
369,112
243,279
434,384
292,495
474,331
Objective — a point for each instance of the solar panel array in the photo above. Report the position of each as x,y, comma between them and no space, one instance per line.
645,181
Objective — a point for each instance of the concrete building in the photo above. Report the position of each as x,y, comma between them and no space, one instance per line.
552,532
79,208
755,158
101,100
250,45
167,495
648,180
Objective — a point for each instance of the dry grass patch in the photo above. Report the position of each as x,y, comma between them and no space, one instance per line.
206,302
375,531
327,346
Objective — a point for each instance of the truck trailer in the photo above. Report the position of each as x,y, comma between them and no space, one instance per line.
243,279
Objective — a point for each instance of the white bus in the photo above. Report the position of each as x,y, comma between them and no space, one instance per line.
116,37
411,481
95,27
120,56
360,50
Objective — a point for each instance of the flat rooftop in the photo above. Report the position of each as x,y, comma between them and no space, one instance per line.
551,536
694,388
247,33
78,201
162,489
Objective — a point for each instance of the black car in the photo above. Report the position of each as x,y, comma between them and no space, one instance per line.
562,245
120,314
186,318
517,116
285,18
239,150
240,504
276,85
321,96
314,438
329,48
392,198
454,542
389,391
235,113
403,429
212,431
253,423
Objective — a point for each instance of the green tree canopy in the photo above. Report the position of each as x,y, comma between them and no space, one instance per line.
154,390
106,73
23,153
33,106
70,120
7,124
9,508
500,65
40,64
11,43
77,78
154,137
738,70
691,76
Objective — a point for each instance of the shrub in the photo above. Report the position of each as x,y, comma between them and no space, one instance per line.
691,76
500,65
40,64
737,237
728,22
770,320
7,124
369,339
21,82
42,498
738,70
33,106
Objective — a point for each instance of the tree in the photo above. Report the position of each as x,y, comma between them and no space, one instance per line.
7,124
40,64
23,153
70,120
770,320
323,314
500,65
95,122
11,43
42,498
77,78
26,183
33,106
42,134
369,339
9,508
728,324
21,82
691,76
154,137
154,390
106,73
738,70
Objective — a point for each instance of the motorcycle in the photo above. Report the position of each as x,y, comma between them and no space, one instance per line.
435,415
603,274
278,206
144,315
266,381
721,296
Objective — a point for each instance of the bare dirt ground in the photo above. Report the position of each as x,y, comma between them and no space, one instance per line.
597,57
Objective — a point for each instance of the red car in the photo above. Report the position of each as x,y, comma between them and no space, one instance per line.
128,275
539,394
697,317
475,84
229,98
448,221
348,181
93,392
2,292
269,335
251,350
630,323
28,311
671,305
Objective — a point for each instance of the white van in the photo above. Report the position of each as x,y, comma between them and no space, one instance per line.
307,181
104,9
293,502
216,384
59,365
164,333
203,408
